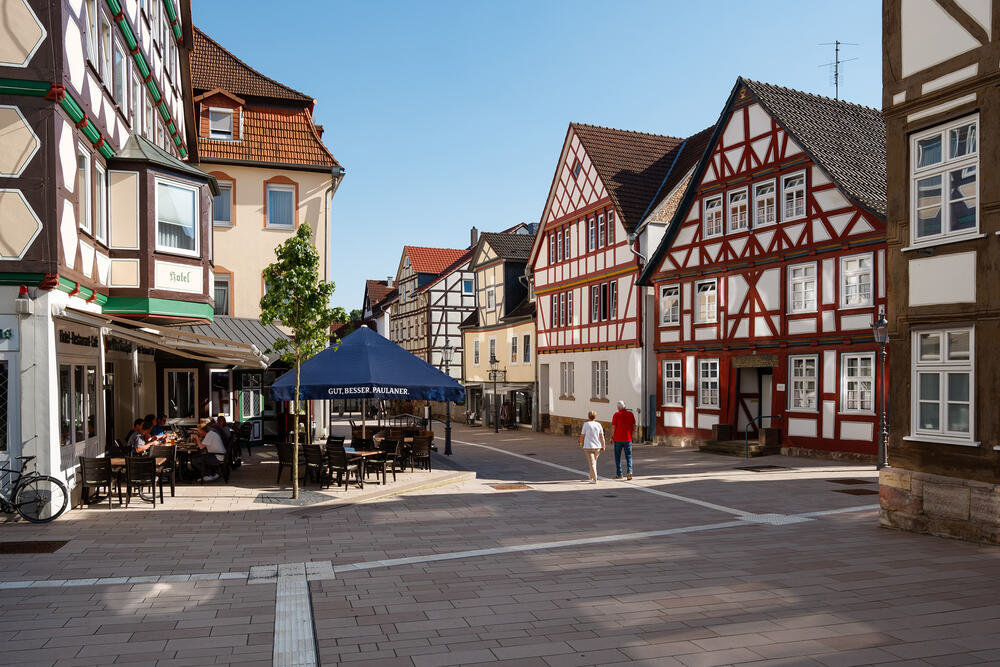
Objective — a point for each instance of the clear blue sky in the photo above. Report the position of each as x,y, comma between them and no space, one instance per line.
452,114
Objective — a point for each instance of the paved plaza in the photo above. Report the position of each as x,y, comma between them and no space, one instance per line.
694,562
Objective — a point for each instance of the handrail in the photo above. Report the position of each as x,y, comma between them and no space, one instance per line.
746,431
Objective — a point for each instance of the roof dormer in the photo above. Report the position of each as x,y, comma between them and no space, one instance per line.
220,115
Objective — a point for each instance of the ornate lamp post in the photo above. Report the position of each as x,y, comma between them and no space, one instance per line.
880,332
448,351
495,374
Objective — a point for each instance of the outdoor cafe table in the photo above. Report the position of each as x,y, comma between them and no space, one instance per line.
363,454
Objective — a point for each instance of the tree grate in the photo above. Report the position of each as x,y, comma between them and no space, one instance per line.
32,547
857,492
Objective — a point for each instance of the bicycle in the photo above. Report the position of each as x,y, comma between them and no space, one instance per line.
38,498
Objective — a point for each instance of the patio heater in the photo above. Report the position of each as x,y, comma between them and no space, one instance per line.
448,351
496,374
880,332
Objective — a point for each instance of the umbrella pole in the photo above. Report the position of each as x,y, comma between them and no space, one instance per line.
364,417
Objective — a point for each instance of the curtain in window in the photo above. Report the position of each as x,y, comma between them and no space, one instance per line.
175,217
222,205
280,207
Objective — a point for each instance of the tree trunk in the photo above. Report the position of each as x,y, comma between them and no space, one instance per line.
295,438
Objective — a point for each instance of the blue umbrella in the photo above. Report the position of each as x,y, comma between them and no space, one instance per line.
366,365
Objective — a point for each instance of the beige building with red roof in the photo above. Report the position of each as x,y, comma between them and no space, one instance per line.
436,293
258,138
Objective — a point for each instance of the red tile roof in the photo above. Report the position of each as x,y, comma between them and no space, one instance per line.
376,291
212,66
632,165
432,260
451,268
272,134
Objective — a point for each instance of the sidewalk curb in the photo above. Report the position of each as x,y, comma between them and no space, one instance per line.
457,477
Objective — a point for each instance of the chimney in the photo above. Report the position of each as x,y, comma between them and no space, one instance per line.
388,281
475,237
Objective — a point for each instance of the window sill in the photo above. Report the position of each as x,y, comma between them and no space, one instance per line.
947,240
599,400
178,253
860,307
803,411
938,440
280,228
566,398
223,225
855,413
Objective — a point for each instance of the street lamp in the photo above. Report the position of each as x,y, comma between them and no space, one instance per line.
880,331
448,351
495,374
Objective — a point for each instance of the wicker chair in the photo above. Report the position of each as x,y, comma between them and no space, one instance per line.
339,464
96,473
140,472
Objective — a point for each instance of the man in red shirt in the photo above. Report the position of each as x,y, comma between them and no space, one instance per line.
623,423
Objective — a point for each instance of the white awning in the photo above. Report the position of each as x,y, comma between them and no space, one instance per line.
181,343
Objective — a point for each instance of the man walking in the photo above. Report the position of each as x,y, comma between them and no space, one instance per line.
622,424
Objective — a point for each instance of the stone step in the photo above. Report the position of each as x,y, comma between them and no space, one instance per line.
736,448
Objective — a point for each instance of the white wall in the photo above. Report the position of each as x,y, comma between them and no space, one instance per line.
624,383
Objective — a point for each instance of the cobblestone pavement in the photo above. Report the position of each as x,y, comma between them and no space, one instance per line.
694,562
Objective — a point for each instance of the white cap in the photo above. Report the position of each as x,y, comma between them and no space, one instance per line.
621,405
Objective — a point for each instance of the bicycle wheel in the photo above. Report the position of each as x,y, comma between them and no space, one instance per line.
41,499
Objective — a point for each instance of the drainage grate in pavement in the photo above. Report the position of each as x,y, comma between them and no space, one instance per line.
531,454
857,492
762,468
509,487
610,495
851,481
34,547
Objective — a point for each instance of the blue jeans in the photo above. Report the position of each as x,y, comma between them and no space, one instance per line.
619,446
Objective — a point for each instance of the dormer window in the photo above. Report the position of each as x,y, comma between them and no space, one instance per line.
220,123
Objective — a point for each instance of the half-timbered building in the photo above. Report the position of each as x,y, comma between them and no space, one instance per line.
501,328
435,293
105,233
770,275
940,101
376,305
587,254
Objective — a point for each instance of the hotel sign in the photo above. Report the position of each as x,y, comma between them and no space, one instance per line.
179,277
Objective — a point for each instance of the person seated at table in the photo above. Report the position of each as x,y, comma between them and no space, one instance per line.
140,441
223,428
212,452
160,427
135,428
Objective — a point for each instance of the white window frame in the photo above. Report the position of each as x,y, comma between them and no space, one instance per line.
491,297
706,379
552,248
526,350
758,199
601,231
845,381
711,316
559,246
106,47
673,383
468,286
513,349
493,350
942,367
135,103
101,219
280,187
670,311
197,218
737,222
567,379
786,191
943,168
86,223
591,234
851,274
599,380
224,186
794,281
216,134
798,383
718,218
566,240
610,227
475,352
167,372
227,279
119,74
92,18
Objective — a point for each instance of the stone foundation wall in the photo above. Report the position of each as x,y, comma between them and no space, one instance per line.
945,506
572,426
853,457
676,441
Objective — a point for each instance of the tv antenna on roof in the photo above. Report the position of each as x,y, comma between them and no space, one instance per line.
837,62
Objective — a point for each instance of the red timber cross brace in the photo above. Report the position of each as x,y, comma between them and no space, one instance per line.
769,275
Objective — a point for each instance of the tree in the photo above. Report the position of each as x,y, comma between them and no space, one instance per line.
296,298
356,315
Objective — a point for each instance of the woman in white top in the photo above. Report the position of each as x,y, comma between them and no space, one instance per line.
592,441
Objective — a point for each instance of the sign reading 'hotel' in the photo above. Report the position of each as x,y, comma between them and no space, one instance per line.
179,277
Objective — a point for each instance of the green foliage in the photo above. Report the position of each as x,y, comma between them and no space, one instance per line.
340,315
296,298
356,315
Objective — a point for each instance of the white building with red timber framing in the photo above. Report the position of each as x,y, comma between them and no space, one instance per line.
584,264
770,275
